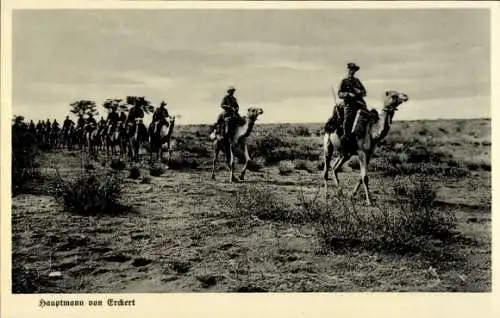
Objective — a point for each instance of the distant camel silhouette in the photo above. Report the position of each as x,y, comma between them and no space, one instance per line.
114,139
161,138
238,138
136,137
363,144
92,139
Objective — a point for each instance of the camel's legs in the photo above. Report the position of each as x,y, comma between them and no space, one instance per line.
336,167
214,162
231,162
328,152
363,162
169,151
247,159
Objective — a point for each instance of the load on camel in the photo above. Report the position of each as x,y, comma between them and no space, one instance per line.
226,140
368,130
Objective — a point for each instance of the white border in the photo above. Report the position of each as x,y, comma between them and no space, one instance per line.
222,305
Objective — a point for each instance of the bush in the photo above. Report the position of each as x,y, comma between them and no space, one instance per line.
299,131
90,194
156,170
257,202
146,180
306,165
28,281
256,165
192,145
117,164
267,144
134,173
479,163
180,162
286,167
24,153
406,226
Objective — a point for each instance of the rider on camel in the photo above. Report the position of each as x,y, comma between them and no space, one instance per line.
123,117
81,122
159,117
112,119
67,123
230,108
31,127
352,92
136,112
91,122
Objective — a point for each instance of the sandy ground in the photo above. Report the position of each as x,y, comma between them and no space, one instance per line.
177,237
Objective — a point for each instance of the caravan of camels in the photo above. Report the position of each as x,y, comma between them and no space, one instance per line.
352,130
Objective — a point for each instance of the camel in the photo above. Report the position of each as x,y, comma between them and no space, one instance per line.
161,138
238,138
361,144
136,138
54,137
92,140
69,136
115,139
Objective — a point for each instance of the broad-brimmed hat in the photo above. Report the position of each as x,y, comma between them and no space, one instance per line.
352,66
231,89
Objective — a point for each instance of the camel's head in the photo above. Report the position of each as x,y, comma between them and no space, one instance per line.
393,99
254,112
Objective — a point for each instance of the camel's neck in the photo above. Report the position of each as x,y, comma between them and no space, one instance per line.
170,128
245,130
382,127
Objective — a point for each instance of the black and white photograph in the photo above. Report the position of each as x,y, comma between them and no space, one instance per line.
261,150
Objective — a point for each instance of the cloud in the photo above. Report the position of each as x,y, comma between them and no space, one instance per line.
285,60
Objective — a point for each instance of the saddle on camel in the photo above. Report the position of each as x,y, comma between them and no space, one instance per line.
229,118
351,116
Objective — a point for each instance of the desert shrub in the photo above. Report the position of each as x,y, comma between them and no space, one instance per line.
301,164
188,143
297,131
256,164
28,281
443,130
134,173
250,201
439,170
117,164
89,193
266,144
145,180
289,153
423,132
180,162
89,167
478,163
405,226
320,164
24,153
156,170
286,167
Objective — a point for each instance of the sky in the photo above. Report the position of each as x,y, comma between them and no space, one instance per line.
284,61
